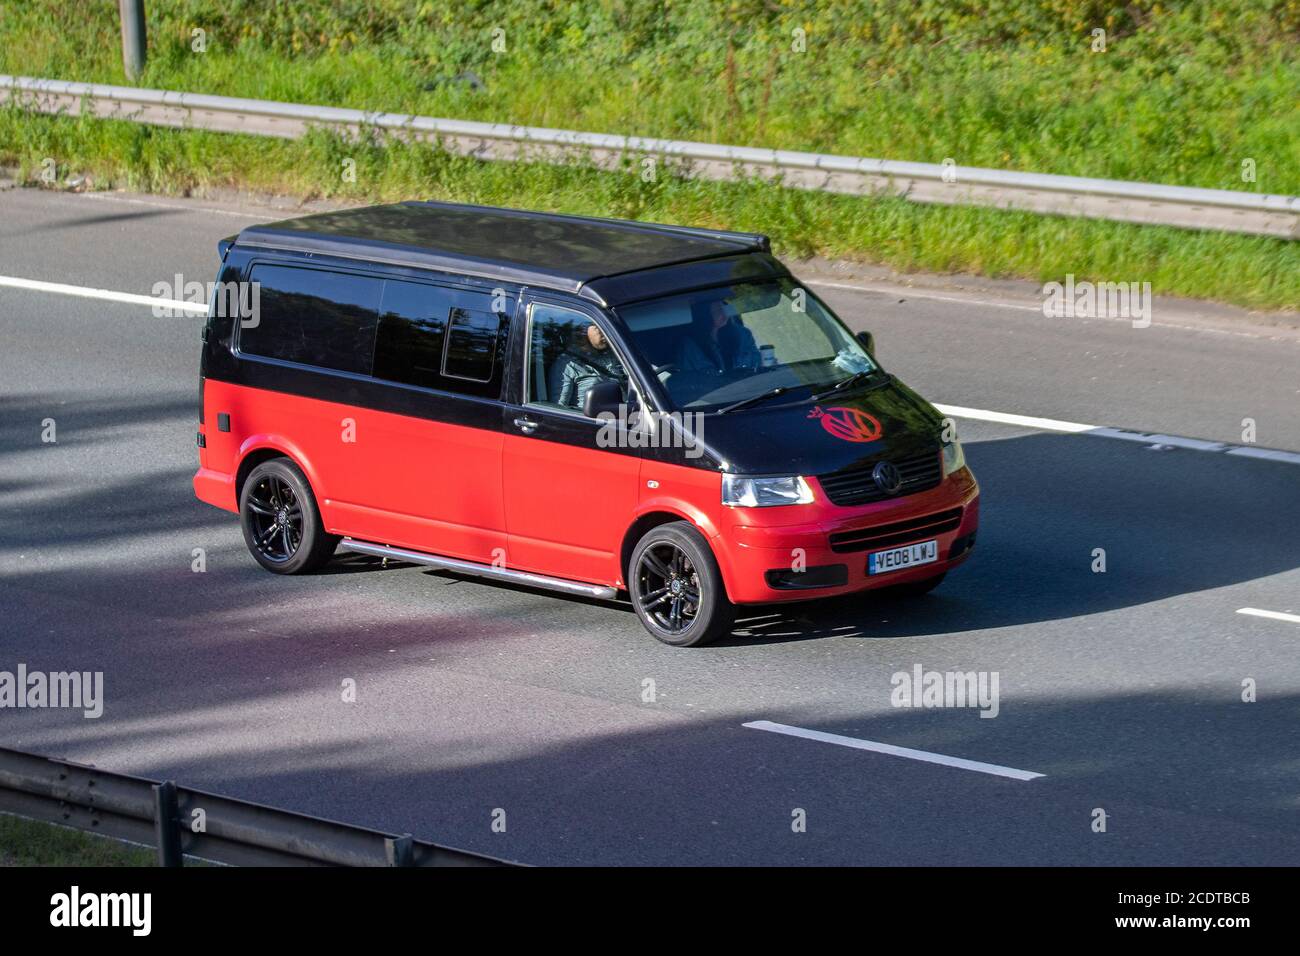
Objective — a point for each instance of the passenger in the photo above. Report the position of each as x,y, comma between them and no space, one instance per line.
717,342
579,370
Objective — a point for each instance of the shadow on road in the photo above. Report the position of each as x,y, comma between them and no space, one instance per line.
192,660
1170,523
703,790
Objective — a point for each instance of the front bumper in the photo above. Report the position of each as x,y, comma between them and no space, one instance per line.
772,562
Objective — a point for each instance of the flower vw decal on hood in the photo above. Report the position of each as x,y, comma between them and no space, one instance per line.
850,424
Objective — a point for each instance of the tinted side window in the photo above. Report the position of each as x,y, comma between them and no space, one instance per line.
412,325
442,337
470,351
315,317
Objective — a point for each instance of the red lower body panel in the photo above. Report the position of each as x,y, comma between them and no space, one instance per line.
551,508
750,542
390,479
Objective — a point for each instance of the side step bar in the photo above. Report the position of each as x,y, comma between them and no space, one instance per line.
482,570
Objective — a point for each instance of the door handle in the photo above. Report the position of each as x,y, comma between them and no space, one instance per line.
525,426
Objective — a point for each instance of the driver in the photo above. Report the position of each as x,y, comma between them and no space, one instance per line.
717,342
578,370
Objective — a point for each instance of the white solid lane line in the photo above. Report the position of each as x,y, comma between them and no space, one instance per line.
956,411
1268,454
1122,434
922,755
913,292
109,295
1004,418
909,292
179,207
1271,615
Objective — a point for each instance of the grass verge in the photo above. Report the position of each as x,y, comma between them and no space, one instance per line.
1173,91
33,843
1256,272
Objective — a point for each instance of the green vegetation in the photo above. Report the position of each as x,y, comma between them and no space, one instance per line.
1182,94
1185,92
31,843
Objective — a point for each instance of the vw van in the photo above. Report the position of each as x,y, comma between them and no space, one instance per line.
595,407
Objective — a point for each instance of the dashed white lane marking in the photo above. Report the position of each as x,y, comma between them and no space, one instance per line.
1271,615
875,747
956,411
86,292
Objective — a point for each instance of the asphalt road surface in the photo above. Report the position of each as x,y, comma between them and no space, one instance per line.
1123,689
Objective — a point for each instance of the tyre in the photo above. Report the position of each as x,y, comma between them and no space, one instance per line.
281,523
913,589
676,587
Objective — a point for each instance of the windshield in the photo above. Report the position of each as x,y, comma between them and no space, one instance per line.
728,344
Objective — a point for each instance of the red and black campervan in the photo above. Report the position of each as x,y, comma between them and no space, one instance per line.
592,406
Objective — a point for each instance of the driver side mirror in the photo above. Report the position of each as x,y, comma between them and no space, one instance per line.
603,397
868,342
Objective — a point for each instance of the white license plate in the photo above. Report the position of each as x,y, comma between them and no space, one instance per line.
899,559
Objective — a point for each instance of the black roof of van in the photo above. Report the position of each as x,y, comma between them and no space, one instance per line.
530,248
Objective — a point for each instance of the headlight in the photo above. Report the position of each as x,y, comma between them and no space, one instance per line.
954,459
741,492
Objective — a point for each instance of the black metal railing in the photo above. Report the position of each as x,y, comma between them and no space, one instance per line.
181,821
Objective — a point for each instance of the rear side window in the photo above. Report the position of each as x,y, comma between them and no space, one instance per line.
471,345
441,337
412,333
312,316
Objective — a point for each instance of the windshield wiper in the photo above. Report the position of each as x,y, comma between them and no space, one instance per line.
855,379
772,393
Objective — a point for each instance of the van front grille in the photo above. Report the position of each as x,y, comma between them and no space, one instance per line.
897,532
855,486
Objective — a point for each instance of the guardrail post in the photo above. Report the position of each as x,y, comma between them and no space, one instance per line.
166,826
400,850
133,37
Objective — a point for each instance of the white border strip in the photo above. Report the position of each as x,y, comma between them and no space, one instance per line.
197,207
910,292
901,291
923,755
1155,438
1271,615
108,295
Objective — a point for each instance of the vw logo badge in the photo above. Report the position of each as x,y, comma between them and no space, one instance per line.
887,477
